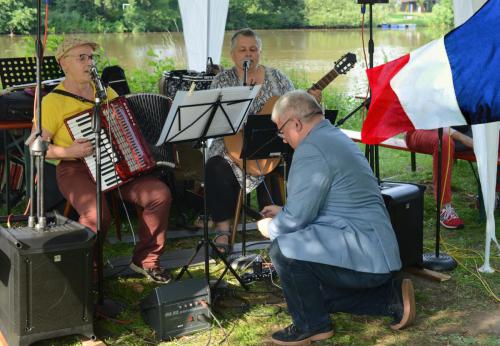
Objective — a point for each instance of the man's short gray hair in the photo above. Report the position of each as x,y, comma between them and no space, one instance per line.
247,32
298,104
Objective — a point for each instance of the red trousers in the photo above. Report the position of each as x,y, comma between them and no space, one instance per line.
148,192
426,141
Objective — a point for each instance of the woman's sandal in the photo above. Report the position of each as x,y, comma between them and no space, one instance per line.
223,248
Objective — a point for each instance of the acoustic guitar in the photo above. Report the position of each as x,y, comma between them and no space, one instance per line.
234,143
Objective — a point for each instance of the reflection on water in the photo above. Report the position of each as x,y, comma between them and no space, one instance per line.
308,53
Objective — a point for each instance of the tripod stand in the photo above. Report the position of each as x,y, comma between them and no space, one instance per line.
439,261
198,116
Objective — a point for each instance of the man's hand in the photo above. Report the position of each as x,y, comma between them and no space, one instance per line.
263,225
270,210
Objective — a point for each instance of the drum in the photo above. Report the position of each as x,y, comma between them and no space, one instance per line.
172,81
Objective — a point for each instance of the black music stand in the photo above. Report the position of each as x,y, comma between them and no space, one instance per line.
261,139
198,116
260,142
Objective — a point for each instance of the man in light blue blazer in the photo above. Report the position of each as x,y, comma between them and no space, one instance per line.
333,245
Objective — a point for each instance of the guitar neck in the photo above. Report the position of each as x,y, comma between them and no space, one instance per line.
323,82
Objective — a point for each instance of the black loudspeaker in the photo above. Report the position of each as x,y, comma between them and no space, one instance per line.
405,204
177,308
45,281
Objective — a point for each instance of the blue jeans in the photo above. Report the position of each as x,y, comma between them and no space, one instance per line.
314,290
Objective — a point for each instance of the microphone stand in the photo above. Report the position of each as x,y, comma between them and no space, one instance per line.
108,307
365,103
246,64
96,129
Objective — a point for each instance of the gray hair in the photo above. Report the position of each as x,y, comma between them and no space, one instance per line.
298,104
247,32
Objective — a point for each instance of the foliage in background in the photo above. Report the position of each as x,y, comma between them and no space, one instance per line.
343,13
139,81
53,41
442,13
16,16
103,16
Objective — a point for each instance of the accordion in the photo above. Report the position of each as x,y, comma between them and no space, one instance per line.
124,152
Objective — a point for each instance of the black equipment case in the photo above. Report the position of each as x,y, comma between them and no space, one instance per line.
405,204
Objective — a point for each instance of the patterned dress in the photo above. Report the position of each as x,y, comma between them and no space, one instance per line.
275,84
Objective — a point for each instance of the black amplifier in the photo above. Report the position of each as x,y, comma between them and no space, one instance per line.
405,204
177,308
16,106
45,281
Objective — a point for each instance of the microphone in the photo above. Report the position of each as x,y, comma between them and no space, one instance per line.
246,64
99,87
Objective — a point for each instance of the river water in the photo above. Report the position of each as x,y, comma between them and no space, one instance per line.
305,54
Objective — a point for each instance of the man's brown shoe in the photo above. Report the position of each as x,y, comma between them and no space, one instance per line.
407,300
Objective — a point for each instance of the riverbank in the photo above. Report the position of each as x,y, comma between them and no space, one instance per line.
159,16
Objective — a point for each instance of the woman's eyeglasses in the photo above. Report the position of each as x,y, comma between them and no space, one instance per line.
84,57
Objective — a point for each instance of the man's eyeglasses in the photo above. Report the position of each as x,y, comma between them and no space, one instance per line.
84,57
280,133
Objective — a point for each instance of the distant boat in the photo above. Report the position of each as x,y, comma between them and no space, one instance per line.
397,26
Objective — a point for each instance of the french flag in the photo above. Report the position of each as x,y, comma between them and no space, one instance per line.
454,80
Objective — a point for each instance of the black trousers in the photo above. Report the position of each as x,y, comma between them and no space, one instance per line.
222,189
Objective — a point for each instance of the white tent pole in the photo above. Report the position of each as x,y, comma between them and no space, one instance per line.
209,8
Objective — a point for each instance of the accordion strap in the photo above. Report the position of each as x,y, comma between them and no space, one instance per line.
78,97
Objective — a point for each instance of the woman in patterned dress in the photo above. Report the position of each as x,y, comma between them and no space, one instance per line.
223,177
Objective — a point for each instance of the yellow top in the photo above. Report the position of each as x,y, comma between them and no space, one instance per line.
56,108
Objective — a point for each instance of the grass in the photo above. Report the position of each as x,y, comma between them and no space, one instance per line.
455,312
421,19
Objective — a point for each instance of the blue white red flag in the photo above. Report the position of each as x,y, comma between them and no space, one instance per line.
454,80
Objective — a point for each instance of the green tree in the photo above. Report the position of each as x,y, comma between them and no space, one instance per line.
343,13
110,9
237,14
151,15
442,13
16,17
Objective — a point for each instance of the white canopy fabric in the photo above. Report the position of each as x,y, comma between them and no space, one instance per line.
485,147
203,22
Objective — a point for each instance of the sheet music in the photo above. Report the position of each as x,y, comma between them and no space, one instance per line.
189,121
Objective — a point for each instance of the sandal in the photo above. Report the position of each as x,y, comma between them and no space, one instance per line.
156,274
223,248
